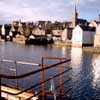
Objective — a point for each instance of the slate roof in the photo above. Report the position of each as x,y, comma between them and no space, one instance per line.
81,20
87,28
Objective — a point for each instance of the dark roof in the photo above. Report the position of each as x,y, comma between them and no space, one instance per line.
81,20
87,28
36,27
70,28
7,27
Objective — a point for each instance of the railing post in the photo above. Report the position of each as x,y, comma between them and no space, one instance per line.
60,82
16,73
43,78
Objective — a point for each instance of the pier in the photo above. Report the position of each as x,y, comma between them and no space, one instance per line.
32,93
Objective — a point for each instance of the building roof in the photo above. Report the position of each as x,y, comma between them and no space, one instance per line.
81,20
87,28
7,27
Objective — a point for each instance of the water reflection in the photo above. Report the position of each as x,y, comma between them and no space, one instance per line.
76,64
63,51
96,71
76,58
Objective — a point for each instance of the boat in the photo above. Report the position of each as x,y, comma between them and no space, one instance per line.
39,40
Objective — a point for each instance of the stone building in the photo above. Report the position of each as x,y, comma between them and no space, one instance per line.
94,23
38,31
57,34
43,24
97,37
66,35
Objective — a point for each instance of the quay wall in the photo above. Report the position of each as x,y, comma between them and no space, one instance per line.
92,49
84,48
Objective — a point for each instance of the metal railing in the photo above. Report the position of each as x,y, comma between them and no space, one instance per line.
42,93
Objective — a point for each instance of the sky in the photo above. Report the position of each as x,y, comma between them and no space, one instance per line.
52,10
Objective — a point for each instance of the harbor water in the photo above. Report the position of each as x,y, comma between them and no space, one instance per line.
85,73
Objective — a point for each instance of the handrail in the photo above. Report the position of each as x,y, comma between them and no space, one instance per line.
32,72
62,60
19,62
37,83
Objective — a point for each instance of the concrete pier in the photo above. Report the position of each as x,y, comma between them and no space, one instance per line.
22,96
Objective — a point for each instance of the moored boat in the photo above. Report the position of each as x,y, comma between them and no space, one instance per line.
39,40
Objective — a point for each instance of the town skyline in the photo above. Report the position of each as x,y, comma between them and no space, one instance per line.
58,10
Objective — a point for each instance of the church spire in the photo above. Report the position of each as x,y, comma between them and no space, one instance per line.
74,16
75,9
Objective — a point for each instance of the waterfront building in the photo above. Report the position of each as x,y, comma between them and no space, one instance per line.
20,28
26,30
57,34
93,23
97,37
13,30
58,25
16,28
43,24
66,24
66,35
3,30
38,31
19,39
7,29
83,36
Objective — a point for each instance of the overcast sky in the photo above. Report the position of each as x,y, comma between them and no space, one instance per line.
60,10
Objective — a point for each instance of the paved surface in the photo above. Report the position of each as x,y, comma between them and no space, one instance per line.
22,96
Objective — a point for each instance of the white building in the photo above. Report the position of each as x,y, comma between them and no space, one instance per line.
83,36
3,30
97,37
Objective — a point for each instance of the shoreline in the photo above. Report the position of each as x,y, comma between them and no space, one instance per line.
92,49
20,40
84,48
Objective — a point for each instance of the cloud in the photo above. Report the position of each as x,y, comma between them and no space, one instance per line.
36,10
31,10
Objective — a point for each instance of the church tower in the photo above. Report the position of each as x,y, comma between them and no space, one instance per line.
74,17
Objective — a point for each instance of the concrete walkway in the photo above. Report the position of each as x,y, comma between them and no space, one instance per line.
22,96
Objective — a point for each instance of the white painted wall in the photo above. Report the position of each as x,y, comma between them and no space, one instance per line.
77,36
3,30
80,36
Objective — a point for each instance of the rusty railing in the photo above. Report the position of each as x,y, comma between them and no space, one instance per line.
42,93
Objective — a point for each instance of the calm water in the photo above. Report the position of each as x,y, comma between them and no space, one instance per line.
85,71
